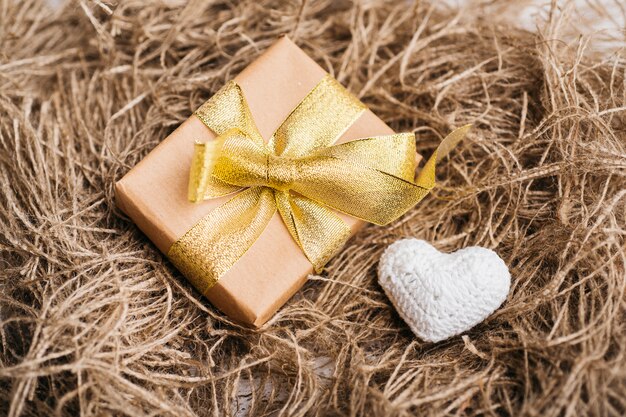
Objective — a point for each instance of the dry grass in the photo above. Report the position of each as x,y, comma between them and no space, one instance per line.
93,320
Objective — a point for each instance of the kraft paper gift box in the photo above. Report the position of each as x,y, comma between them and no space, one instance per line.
154,193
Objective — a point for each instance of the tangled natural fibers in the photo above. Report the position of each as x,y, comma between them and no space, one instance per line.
95,321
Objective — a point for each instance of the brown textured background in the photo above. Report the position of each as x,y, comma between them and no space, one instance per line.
94,321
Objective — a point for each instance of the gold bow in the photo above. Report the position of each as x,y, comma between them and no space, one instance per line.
300,173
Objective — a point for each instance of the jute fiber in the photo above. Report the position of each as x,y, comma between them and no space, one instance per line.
94,320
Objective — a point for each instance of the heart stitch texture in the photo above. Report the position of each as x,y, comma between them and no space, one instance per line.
440,295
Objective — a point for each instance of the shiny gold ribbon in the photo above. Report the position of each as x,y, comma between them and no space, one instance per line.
300,174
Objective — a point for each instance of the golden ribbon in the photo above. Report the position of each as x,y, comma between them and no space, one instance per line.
300,173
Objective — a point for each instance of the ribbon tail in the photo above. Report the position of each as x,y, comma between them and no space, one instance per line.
427,176
318,231
213,245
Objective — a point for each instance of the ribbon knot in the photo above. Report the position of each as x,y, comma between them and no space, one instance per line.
281,172
234,158
300,173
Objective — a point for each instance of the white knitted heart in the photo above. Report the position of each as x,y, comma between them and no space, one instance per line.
440,295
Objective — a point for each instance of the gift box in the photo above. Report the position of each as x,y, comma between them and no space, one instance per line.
295,225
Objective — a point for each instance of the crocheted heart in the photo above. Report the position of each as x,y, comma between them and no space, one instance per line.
440,295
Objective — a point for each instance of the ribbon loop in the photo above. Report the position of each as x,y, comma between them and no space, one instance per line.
241,161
